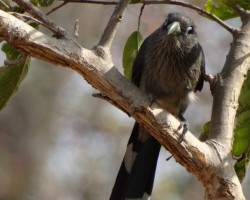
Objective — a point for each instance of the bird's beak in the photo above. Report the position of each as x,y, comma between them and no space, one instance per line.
174,28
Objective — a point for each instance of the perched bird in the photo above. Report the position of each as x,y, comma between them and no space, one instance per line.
170,66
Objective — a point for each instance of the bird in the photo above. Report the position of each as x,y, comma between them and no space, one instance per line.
170,67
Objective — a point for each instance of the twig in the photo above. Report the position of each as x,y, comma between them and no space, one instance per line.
92,2
4,5
28,17
200,11
139,20
212,80
57,7
242,12
36,13
111,28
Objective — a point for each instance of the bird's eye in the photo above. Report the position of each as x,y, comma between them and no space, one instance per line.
190,30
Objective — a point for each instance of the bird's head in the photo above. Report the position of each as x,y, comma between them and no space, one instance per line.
179,24
180,29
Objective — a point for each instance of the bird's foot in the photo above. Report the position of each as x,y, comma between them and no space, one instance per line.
152,98
185,127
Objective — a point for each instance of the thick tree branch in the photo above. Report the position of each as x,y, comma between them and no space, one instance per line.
105,77
225,103
210,161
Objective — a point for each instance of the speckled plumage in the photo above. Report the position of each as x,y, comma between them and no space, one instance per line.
170,65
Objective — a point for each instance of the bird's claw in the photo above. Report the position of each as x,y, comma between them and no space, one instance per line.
151,98
185,127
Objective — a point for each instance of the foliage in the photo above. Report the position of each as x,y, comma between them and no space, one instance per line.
225,9
42,3
11,76
241,145
130,51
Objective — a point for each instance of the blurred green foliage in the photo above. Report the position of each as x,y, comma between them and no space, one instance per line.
225,9
42,3
241,144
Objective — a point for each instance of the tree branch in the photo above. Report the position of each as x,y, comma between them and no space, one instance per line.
200,11
101,74
36,13
210,161
225,103
56,8
4,5
111,28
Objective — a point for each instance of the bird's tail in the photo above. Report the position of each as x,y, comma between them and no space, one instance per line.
136,175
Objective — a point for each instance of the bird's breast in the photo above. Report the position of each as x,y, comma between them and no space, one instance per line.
170,80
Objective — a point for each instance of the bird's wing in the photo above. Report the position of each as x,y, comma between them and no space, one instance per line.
200,81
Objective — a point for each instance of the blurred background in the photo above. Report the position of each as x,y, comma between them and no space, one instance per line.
58,142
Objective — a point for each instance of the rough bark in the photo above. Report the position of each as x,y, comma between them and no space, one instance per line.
209,161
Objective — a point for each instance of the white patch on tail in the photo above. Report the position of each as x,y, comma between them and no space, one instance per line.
129,158
144,197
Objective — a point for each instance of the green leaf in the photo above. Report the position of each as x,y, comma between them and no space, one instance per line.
10,52
130,51
17,9
241,166
12,76
244,99
241,140
241,169
2,7
6,2
241,144
34,25
225,9
204,135
243,118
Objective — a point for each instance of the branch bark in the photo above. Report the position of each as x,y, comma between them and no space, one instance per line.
115,19
101,74
225,104
209,161
36,13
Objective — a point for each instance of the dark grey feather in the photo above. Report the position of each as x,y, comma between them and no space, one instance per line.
170,65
